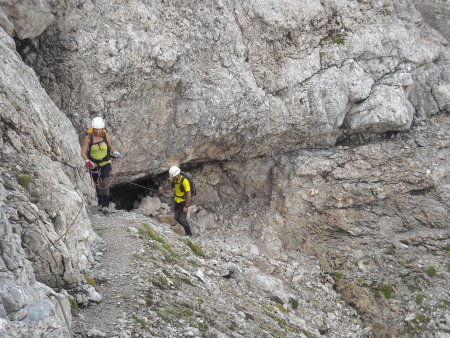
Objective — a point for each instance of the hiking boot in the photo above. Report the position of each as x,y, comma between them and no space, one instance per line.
105,210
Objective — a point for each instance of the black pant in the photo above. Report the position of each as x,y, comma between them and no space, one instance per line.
102,185
180,217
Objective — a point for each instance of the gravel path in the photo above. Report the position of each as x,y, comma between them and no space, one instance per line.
114,276
155,282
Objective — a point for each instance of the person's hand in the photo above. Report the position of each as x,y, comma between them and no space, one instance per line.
116,154
185,209
89,164
161,189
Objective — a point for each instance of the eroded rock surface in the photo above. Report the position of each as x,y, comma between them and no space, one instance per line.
45,230
179,82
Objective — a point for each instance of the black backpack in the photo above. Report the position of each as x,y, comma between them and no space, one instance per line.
190,178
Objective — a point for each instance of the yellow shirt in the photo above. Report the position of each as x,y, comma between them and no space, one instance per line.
99,151
179,195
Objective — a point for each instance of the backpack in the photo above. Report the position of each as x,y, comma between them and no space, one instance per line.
191,181
90,133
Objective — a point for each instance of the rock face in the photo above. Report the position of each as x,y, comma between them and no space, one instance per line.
324,123
233,80
375,214
45,232
25,19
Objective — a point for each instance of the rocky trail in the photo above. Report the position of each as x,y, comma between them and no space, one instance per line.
155,282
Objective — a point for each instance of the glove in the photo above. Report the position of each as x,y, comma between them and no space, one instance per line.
89,164
116,154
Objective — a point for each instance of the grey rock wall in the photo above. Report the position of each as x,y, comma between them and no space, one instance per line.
25,18
45,231
28,308
178,82
376,215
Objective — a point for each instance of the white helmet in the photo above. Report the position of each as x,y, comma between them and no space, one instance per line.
174,171
98,123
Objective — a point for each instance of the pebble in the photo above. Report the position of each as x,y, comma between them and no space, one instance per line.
410,317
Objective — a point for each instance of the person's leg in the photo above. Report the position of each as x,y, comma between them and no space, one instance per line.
95,177
105,182
177,211
182,218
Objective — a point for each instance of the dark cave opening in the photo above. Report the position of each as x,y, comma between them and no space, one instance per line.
127,195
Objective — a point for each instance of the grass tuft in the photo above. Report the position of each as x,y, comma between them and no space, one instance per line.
384,289
421,318
196,249
90,281
338,275
444,304
73,303
24,180
141,322
147,232
281,308
149,297
431,271
294,303
419,299
338,39
281,322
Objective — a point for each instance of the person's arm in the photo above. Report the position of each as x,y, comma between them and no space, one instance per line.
114,153
108,141
187,189
84,148
188,201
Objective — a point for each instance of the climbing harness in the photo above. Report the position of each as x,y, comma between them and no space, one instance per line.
98,172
